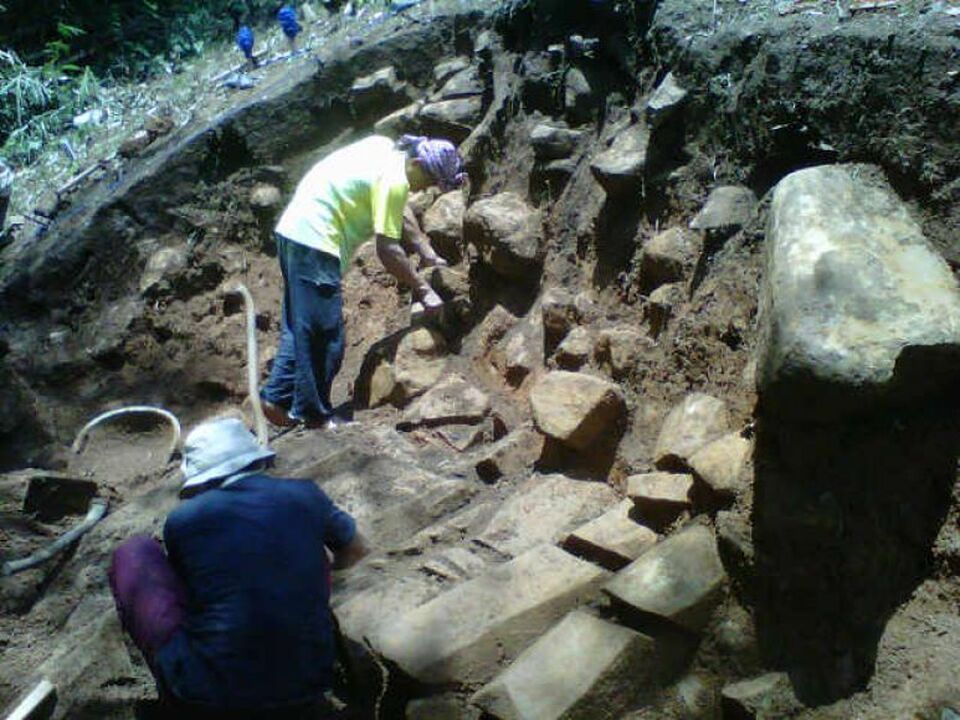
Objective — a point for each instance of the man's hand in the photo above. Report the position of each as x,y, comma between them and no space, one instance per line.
352,553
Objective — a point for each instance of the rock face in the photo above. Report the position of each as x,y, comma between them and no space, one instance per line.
544,509
576,409
858,309
620,167
443,223
728,209
612,540
679,579
476,624
508,234
585,668
690,425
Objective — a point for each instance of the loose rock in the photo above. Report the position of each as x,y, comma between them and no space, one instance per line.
699,419
728,209
576,349
511,456
452,401
419,363
667,257
576,409
660,497
720,464
552,142
665,101
679,579
767,696
620,168
584,668
453,119
443,223
622,348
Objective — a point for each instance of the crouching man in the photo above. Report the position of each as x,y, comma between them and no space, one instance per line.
234,619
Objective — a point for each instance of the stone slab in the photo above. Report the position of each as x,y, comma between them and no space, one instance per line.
361,613
660,497
544,509
612,540
857,309
679,579
463,635
584,668
577,409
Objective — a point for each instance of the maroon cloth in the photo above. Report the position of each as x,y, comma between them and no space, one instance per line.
150,598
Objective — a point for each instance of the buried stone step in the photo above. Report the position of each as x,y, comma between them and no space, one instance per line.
612,540
679,580
660,497
584,668
463,635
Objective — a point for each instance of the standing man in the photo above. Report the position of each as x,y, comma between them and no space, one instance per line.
234,619
352,195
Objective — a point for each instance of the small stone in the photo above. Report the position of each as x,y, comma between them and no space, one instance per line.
158,126
667,257
552,142
521,354
612,540
443,223
265,196
662,306
163,265
728,209
512,455
679,579
508,234
622,348
581,665
451,401
575,349
735,540
620,168
720,464
577,409
383,384
696,421
135,144
697,697
665,101
559,312
766,696
660,497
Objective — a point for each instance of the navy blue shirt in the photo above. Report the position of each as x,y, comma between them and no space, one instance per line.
258,632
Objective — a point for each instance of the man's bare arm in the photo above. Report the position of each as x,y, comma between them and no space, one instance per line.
415,240
396,263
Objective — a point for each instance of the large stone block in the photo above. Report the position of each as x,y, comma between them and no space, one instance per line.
576,409
419,363
660,497
668,257
543,509
508,234
585,668
612,540
721,464
858,309
620,167
463,635
728,209
696,421
443,222
679,579
452,401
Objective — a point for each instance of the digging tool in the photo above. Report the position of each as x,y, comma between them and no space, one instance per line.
39,704
98,508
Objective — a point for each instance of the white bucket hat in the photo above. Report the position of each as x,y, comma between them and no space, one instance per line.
217,449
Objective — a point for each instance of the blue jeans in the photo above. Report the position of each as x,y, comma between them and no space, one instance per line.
312,335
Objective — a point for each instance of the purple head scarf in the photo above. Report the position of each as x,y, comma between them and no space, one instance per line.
438,157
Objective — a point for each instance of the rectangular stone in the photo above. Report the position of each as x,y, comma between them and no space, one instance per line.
463,635
678,579
544,509
361,613
857,308
584,668
455,563
612,540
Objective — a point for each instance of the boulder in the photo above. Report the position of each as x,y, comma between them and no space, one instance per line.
584,668
443,223
612,540
767,696
478,624
858,309
577,409
162,267
419,363
665,101
576,349
544,509
667,257
728,209
510,456
508,235
622,348
452,119
620,168
553,142
452,401
679,580
696,421
720,464
463,84
660,497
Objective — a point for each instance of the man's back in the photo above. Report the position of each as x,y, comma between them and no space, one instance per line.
257,632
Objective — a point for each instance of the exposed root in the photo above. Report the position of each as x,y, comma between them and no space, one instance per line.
79,443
